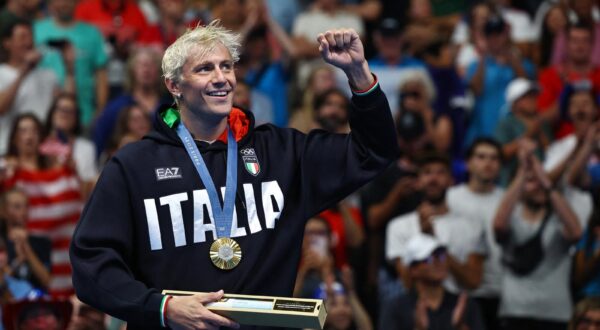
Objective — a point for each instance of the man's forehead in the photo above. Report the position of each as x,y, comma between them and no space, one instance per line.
215,53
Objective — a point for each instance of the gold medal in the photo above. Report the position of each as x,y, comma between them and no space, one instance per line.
225,253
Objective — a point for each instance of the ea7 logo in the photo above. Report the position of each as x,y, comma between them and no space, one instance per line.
164,173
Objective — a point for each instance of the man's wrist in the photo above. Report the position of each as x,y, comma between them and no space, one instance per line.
163,310
360,78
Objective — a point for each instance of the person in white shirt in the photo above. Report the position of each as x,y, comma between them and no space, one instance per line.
477,200
463,239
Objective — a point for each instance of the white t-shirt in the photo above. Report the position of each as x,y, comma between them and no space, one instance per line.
559,150
460,236
34,95
481,209
84,155
544,293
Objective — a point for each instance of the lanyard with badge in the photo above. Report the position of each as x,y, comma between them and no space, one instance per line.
225,253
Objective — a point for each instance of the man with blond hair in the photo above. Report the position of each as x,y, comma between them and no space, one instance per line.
155,219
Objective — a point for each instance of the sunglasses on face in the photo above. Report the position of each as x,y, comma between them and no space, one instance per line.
438,254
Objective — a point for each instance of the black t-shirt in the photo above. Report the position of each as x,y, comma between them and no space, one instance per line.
42,247
398,313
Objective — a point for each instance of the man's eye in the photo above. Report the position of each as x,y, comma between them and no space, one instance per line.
204,68
227,66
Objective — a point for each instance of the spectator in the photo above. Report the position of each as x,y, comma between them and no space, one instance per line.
477,200
390,61
23,86
331,111
144,88
391,194
322,15
61,31
48,185
536,226
579,12
555,21
236,15
172,22
85,317
586,274
577,66
586,315
388,42
38,314
11,288
580,108
64,130
463,238
521,122
265,72
28,255
469,34
500,63
17,10
344,309
132,124
320,79
451,100
122,24
428,305
317,261
417,94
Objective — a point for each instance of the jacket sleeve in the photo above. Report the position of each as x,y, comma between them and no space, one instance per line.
101,252
335,165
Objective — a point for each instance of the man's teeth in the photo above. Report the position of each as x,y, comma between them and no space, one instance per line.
218,93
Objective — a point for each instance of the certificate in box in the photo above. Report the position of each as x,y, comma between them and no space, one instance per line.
267,310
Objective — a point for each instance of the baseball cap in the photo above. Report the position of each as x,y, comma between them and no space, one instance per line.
518,88
495,24
419,247
389,27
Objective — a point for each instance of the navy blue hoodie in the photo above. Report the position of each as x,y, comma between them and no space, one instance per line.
147,226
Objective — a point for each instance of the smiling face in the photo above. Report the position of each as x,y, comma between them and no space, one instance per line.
206,85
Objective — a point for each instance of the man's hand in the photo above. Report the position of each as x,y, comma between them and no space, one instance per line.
342,48
188,312
458,314
32,58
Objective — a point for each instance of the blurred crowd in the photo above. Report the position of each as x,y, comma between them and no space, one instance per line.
489,218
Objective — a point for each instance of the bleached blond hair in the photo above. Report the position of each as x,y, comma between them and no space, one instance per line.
203,40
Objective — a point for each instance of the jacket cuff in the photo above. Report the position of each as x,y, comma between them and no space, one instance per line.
367,90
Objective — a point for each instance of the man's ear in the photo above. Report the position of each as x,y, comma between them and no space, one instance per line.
173,87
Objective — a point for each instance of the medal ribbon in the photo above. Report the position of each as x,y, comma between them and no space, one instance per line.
223,216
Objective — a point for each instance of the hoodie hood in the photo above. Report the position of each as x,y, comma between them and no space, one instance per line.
167,118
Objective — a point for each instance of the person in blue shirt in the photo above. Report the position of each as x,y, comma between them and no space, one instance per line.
90,56
388,42
489,77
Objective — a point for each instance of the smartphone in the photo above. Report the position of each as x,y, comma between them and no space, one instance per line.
319,245
57,43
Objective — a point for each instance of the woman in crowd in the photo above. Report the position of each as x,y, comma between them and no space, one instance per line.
49,185
554,22
64,133
144,87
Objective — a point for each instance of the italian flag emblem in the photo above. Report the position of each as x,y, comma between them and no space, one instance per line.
250,161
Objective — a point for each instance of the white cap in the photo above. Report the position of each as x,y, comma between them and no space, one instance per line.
517,89
419,247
